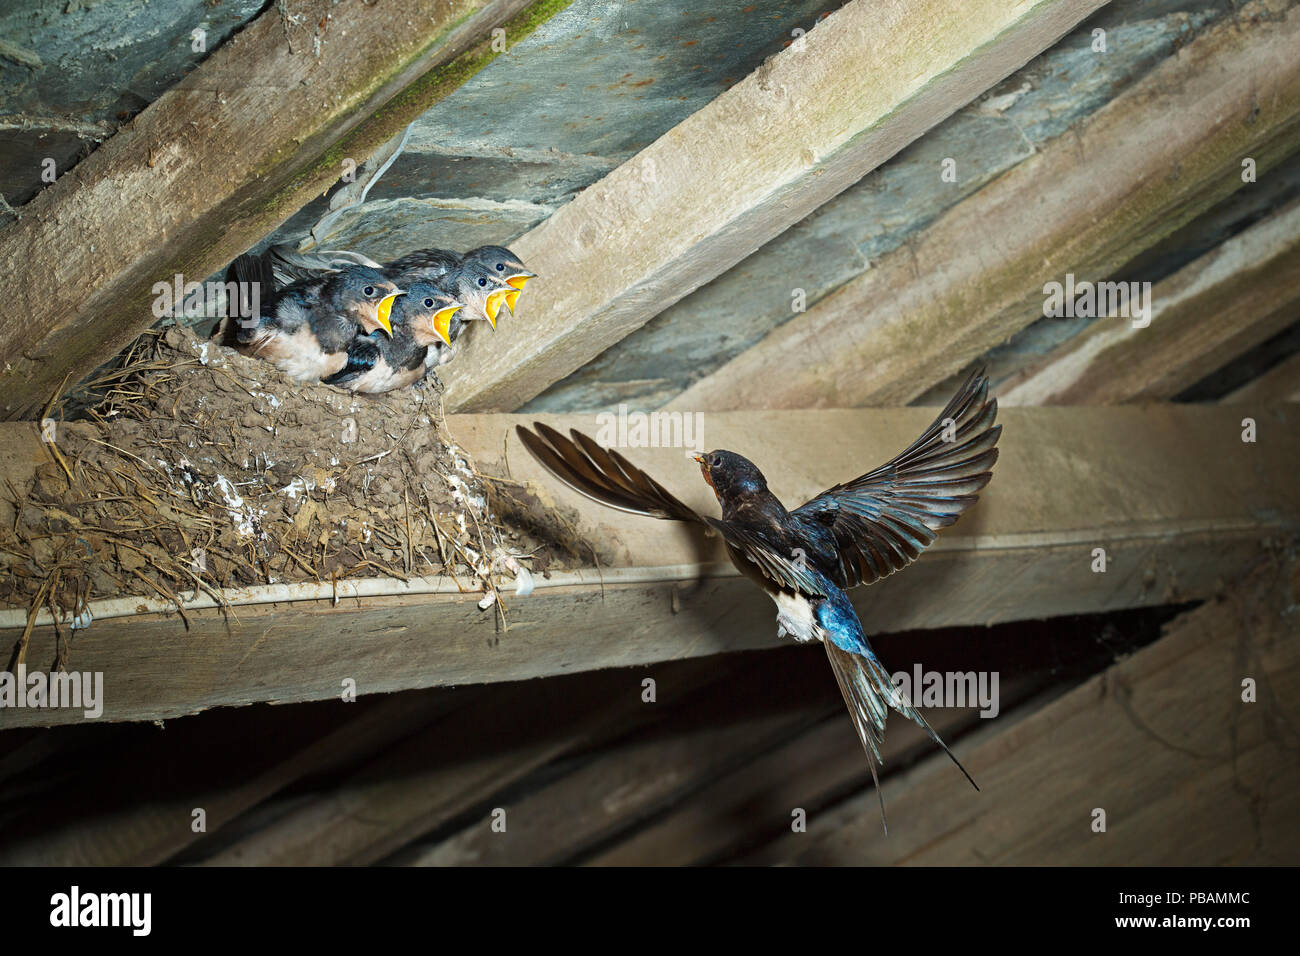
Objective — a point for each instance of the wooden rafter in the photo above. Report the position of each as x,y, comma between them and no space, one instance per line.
807,124
1202,317
1087,204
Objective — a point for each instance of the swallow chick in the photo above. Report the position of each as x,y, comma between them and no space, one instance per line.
805,559
473,283
306,327
505,265
421,319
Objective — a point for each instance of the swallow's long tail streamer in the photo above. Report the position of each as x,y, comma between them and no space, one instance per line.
869,693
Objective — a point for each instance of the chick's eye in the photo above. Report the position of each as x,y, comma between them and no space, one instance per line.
428,303
369,290
482,281
501,267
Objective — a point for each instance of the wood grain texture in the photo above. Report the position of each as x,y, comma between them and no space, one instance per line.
1281,383
1162,151
1202,317
136,831
868,80
215,163
1171,492
450,767
1186,772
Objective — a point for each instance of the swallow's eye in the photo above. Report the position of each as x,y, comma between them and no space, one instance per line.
501,267
482,281
428,303
369,290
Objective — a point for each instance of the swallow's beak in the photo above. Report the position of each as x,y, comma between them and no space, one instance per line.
441,321
518,281
698,458
384,309
493,306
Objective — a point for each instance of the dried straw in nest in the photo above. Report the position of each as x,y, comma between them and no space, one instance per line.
194,469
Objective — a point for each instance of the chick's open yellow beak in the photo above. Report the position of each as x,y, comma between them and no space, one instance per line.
383,311
493,306
441,322
518,281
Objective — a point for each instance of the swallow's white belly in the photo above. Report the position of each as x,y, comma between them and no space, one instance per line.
298,354
795,617
384,378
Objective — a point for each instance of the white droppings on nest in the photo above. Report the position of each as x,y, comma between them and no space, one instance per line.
271,399
203,354
501,558
299,486
460,484
461,494
245,519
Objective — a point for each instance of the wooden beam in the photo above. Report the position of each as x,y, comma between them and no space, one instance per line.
868,80
707,736
60,830
217,162
1281,383
1218,783
1206,314
1086,204
723,816
1171,492
452,766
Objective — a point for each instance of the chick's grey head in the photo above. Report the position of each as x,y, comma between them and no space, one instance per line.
481,291
362,294
428,312
506,266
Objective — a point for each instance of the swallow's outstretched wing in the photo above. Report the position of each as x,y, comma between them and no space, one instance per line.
883,520
604,475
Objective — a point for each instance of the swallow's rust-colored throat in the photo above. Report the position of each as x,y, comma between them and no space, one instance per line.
704,470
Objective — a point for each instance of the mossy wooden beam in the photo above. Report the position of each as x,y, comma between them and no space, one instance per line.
808,123
1173,495
1166,149
220,160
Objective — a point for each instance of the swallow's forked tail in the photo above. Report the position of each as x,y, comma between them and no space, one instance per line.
869,693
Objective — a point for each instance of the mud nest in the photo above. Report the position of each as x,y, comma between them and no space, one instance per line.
193,469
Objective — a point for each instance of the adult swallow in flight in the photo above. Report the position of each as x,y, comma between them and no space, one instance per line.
306,327
805,559
421,319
